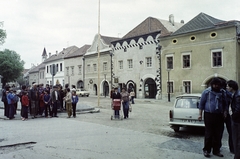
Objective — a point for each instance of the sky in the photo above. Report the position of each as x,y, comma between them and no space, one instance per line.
32,25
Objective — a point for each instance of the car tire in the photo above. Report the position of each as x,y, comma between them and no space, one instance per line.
176,129
87,95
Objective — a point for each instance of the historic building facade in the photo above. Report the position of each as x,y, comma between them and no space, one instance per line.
136,60
203,48
74,73
98,69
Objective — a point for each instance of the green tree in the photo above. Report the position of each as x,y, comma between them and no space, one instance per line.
3,34
11,66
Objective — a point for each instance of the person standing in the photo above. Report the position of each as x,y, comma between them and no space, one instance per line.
34,98
132,95
227,120
5,101
232,87
10,97
41,104
213,103
47,103
74,103
25,104
55,96
116,95
125,102
68,100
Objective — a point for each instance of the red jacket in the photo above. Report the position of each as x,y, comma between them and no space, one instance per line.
25,100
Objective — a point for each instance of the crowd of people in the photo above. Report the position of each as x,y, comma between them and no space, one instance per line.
220,103
39,101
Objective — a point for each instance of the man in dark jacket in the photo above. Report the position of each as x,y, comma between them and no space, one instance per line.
55,96
34,98
232,87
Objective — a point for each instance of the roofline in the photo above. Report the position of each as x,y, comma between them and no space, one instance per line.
198,31
134,37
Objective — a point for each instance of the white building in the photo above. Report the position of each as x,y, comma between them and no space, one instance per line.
58,60
136,62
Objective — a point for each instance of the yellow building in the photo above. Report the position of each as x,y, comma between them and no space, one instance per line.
203,48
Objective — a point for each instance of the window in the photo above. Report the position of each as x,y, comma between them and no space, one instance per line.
60,66
47,69
57,68
104,66
125,49
95,67
186,61
217,58
186,87
67,70
149,61
79,69
120,65
130,64
72,70
170,62
140,47
88,67
169,87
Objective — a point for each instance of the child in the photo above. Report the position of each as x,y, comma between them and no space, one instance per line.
74,102
47,99
25,104
41,104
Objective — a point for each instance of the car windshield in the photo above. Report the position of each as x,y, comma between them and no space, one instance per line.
187,103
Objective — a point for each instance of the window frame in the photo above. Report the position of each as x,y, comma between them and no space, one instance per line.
186,54
149,64
130,63
212,58
120,63
186,87
167,64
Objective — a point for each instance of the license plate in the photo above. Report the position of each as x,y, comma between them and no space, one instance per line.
188,121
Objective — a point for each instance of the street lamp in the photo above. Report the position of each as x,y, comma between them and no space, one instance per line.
168,84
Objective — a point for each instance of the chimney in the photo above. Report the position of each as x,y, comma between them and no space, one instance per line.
56,52
182,21
171,19
49,54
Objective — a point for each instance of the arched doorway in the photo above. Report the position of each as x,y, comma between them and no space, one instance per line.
208,82
131,86
80,84
95,89
150,88
105,88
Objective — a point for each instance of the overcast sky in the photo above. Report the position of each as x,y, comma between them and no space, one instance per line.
32,25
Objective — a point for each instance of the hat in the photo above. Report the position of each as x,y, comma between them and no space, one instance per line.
35,84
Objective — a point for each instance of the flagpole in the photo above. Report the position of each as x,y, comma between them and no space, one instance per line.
98,87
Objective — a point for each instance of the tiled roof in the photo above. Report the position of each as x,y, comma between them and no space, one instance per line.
201,22
78,52
150,25
37,68
61,54
44,52
108,40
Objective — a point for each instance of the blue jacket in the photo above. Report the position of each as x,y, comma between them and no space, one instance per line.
213,102
46,98
75,100
10,97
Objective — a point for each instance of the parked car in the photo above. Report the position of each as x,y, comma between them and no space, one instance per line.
185,112
82,92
